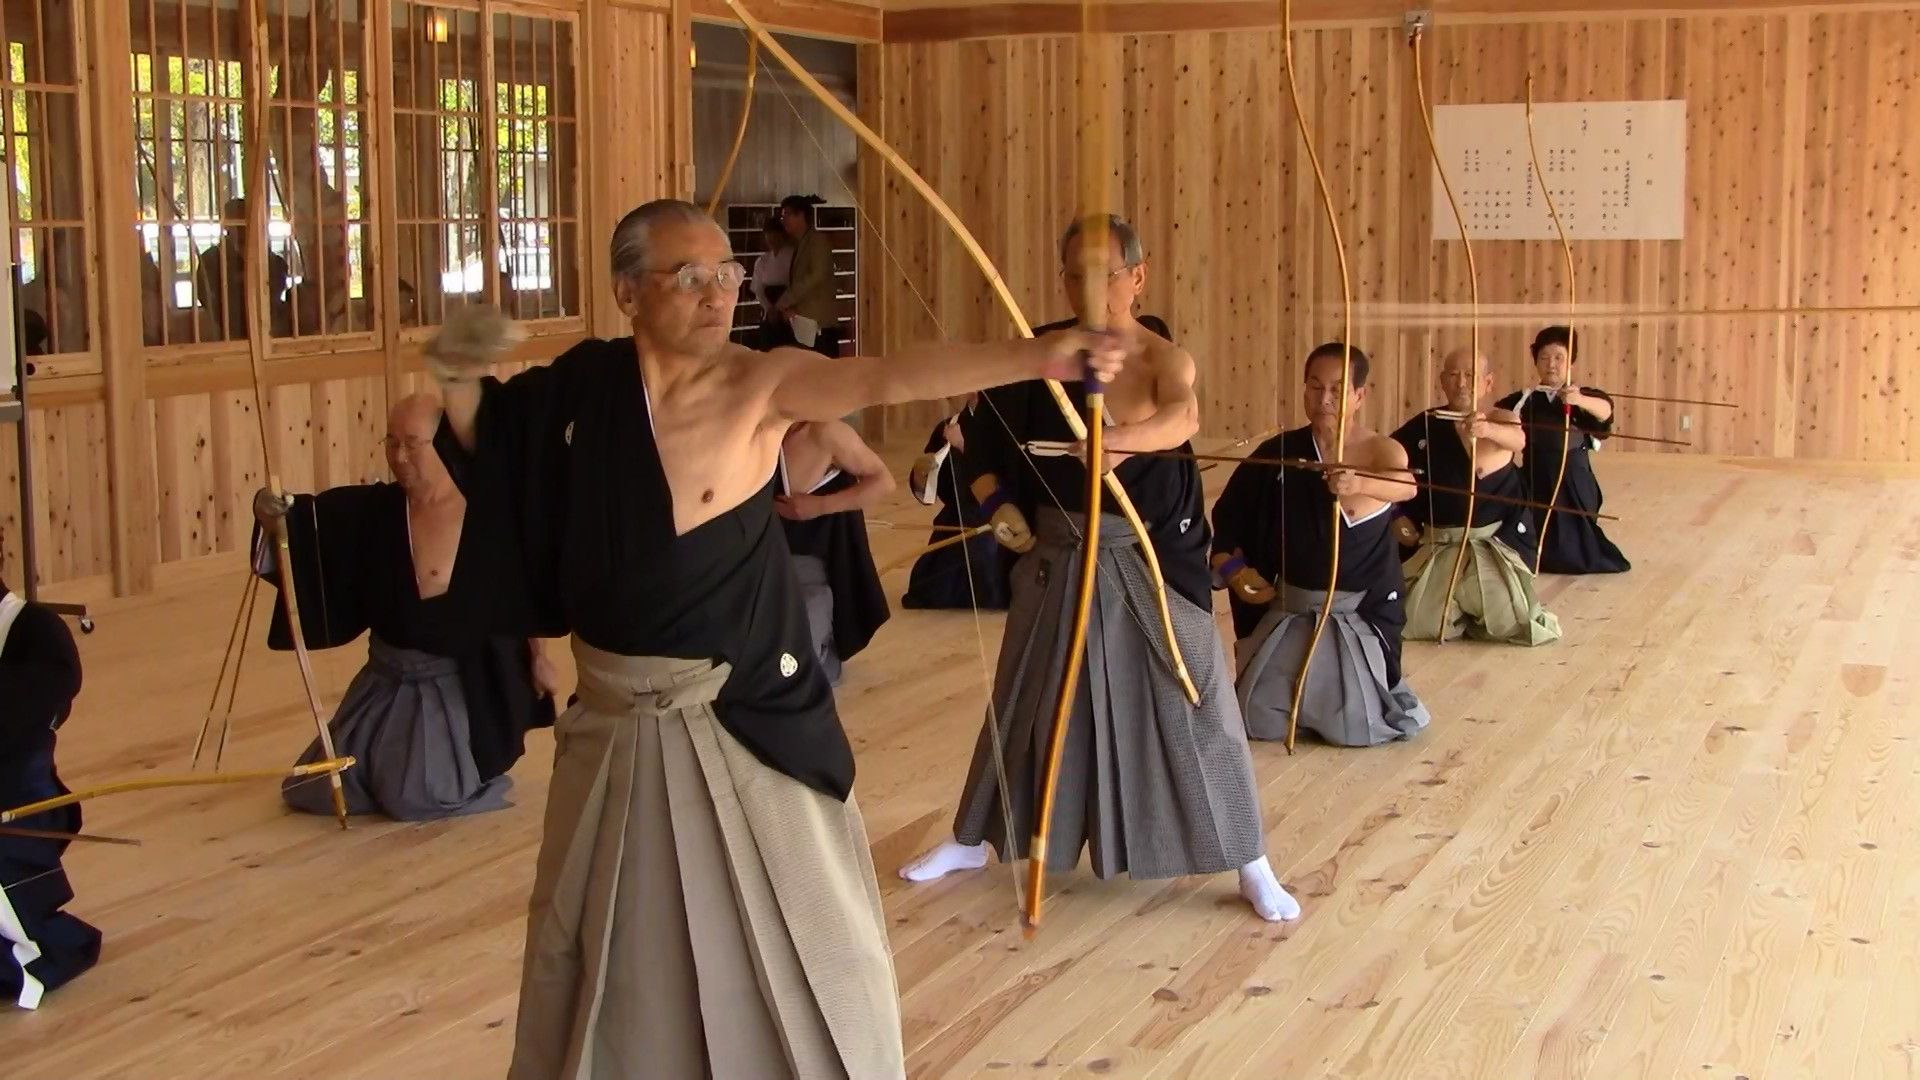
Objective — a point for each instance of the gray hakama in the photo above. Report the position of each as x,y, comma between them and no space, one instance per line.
404,719
1155,786
1493,600
816,591
1347,700
695,913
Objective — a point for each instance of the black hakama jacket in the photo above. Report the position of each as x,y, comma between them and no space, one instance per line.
565,468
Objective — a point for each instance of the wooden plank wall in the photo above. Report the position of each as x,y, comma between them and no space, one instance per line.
793,146
193,437
1793,295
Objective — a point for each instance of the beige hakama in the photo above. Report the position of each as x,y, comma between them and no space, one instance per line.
1494,599
695,913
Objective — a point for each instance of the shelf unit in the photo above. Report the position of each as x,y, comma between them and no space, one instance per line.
839,223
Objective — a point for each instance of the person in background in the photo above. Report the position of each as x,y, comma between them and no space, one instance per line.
221,278
1494,598
1571,543
827,479
810,306
441,710
1272,553
41,947
771,271
975,573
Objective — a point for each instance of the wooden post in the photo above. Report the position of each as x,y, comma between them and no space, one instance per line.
122,346
385,266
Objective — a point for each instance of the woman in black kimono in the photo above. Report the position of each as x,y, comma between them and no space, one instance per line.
41,947
1277,523
1573,543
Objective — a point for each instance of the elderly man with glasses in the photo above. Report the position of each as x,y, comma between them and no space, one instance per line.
704,902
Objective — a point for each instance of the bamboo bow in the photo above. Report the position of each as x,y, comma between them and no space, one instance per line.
1414,32
740,131
1566,251
332,767
259,327
1346,362
1096,242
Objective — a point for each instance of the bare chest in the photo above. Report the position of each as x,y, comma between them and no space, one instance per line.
433,535
714,459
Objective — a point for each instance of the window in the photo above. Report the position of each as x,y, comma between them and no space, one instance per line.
193,146
46,172
504,232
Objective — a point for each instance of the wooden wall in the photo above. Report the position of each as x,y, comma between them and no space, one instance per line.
143,458
1793,295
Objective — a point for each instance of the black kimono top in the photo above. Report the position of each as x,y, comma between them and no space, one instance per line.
840,542
1436,453
565,467
353,567
39,678
1545,418
1166,491
1280,520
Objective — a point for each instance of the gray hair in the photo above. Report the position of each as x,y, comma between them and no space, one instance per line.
1131,253
627,253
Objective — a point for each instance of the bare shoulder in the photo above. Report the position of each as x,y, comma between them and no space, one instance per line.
1503,414
1165,359
1383,451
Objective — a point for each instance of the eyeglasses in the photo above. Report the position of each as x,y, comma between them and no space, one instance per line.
1074,275
694,277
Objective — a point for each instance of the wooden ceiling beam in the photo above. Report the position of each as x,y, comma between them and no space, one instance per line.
955,22
843,20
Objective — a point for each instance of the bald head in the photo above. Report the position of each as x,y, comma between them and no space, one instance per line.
411,425
1457,382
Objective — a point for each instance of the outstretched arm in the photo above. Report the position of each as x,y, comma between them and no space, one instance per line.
808,386
1176,409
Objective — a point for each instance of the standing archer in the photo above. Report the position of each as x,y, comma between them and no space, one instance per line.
1153,784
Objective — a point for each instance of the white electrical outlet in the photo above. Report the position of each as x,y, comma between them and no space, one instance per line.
1686,421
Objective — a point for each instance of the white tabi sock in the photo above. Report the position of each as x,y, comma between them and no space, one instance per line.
1261,889
945,859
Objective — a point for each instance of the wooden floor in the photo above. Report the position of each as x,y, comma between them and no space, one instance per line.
1683,842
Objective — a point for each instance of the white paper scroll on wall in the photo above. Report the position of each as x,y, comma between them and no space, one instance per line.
1617,170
